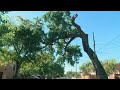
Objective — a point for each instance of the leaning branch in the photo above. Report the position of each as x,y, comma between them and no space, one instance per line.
100,72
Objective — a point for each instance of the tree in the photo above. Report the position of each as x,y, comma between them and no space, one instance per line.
23,40
70,74
63,30
87,68
109,66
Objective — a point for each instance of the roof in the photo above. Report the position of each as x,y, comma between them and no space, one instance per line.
117,67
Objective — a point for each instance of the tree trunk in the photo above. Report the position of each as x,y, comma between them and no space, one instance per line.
18,64
100,72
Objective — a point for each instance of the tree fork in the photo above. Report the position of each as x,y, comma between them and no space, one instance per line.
100,72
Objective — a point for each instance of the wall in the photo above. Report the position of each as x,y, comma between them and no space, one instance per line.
7,71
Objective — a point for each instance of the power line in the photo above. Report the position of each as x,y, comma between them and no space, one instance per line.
111,47
99,44
110,52
111,41
103,52
107,55
117,43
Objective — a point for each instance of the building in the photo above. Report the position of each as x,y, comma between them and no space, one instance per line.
7,70
92,75
116,73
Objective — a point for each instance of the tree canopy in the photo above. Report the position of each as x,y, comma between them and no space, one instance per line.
23,43
71,74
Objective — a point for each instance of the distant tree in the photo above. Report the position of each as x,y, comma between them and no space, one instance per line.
109,66
87,68
70,74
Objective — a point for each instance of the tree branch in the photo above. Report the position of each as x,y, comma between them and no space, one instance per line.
21,49
68,44
15,48
83,36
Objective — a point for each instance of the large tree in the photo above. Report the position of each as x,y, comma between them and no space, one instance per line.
63,30
22,41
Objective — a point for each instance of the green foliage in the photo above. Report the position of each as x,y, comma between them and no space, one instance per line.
24,39
44,66
72,55
70,74
109,66
59,34
87,68
2,18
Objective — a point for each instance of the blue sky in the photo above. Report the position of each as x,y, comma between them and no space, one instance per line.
104,24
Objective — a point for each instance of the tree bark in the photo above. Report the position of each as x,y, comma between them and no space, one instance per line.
100,72
18,64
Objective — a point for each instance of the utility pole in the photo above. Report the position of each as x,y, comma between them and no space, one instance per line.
94,42
76,69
